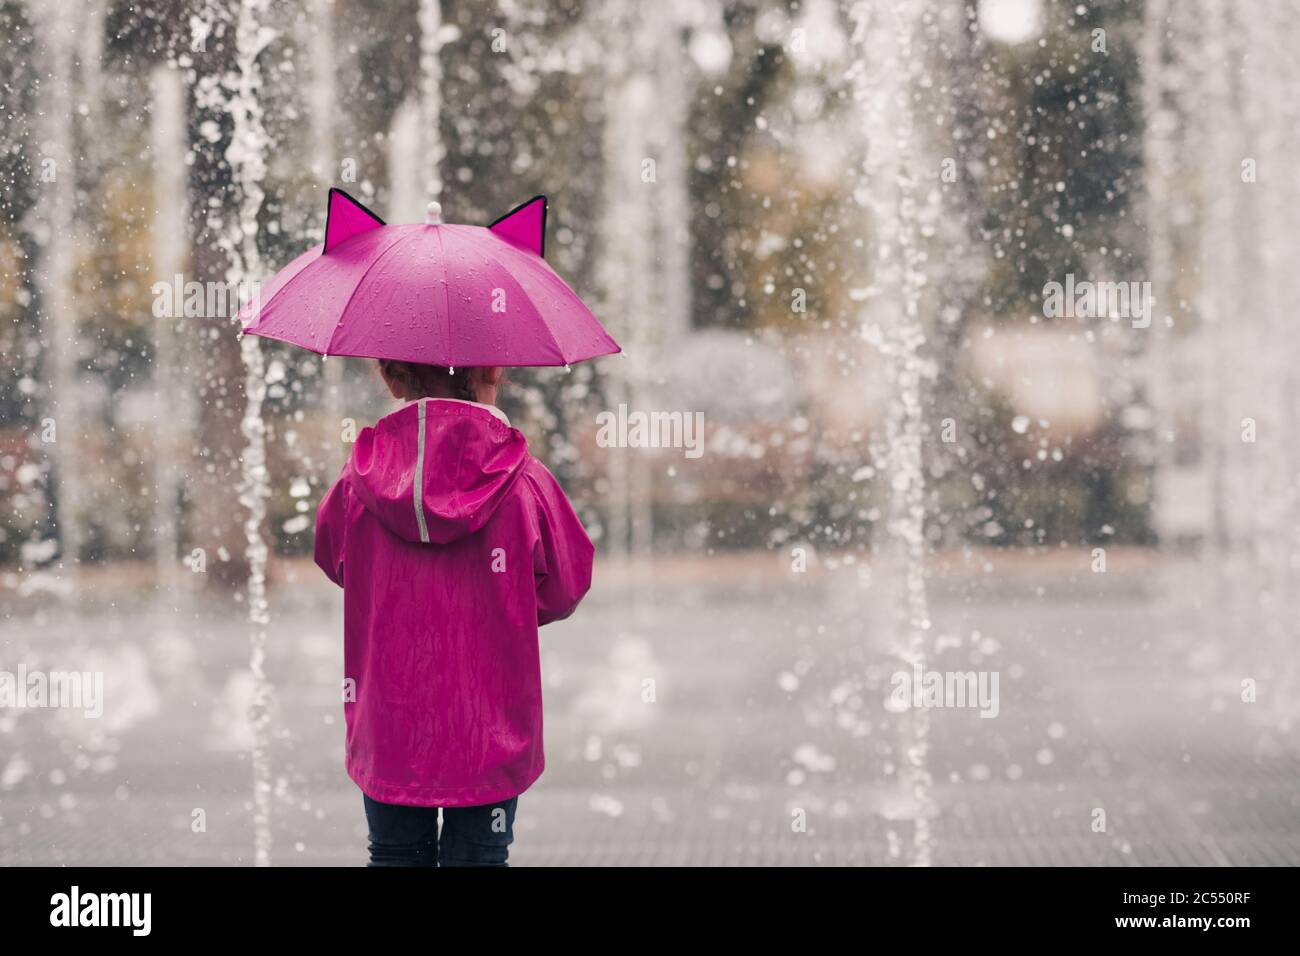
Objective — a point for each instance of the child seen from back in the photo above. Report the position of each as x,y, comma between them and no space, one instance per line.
453,545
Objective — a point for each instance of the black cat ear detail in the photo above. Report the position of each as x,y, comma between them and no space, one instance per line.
345,218
525,225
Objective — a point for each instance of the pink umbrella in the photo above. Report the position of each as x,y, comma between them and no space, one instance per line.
436,293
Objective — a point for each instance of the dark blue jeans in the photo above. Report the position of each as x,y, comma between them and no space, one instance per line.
471,836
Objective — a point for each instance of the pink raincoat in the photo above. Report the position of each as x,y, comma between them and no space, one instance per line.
453,545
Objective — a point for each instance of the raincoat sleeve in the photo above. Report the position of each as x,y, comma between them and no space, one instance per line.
331,531
562,557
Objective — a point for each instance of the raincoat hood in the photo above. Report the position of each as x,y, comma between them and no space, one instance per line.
435,470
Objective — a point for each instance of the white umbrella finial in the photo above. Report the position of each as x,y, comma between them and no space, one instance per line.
433,214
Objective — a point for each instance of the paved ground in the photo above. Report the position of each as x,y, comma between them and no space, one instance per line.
1118,693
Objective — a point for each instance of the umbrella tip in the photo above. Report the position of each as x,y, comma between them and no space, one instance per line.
433,214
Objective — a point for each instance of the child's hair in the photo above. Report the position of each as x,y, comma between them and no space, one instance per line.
429,381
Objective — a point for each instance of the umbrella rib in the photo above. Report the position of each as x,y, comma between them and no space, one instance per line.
545,323
446,293
353,294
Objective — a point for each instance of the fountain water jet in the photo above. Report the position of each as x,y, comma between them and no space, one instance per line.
246,155
58,172
167,145
322,106
1221,140
431,95
627,264
646,222
885,39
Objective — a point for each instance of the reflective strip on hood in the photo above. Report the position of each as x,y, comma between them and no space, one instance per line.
436,472
417,486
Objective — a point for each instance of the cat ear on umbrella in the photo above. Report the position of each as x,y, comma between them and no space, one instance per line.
525,225
345,218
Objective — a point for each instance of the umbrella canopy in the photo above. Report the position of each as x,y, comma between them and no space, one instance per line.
435,293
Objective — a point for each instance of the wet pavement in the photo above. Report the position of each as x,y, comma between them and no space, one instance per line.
726,711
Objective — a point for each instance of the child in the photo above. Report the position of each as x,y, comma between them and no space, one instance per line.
452,545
